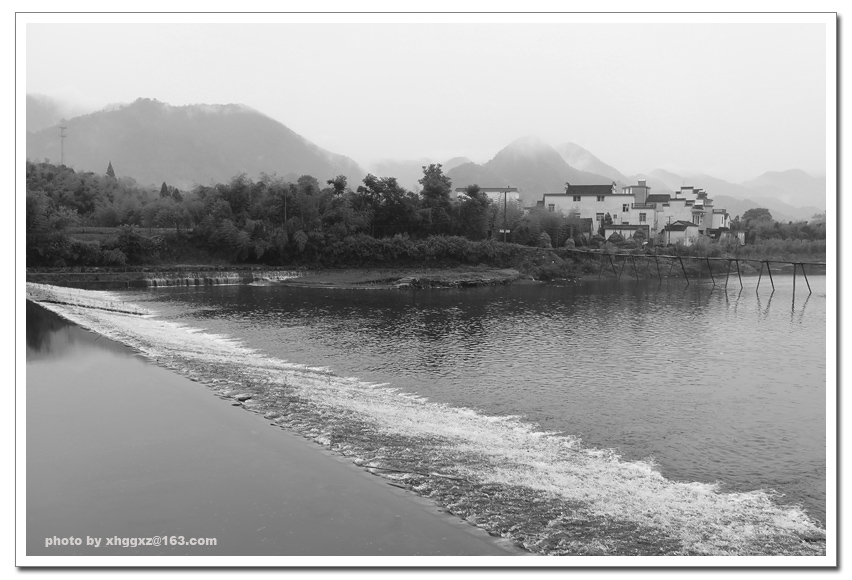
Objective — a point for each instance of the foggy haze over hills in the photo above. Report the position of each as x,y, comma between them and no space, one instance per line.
687,96
202,144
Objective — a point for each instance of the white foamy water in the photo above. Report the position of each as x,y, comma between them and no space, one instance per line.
542,489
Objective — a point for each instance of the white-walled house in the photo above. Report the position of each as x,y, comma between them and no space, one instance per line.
640,191
636,207
680,232
590,202
496,194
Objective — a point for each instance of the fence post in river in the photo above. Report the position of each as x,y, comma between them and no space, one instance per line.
611,263
738,274
794,282
806,278
769,269
727,273
682,267
657,261
710,269
635,272
758,277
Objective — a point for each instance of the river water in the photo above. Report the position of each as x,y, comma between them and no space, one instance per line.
697,384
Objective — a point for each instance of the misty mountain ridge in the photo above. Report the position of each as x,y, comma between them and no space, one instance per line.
533,166
203,144
583,160
154,142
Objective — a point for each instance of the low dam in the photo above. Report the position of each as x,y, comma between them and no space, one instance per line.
112,279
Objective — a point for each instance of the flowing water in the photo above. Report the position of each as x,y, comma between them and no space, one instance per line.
636,405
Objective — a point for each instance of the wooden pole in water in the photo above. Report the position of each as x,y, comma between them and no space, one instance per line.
806,278
670,269
611,263
794,281
660,274
728,273
758,278
710,269
682,267
635,272
769,269
600,270
647,265
738,274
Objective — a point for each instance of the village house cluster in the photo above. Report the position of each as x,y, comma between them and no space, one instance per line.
662,217
681,218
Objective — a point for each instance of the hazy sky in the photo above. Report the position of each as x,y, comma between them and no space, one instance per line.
732,100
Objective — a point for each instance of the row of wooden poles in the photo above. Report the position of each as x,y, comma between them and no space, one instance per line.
763,263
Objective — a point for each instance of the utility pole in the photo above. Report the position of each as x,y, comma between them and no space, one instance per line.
62,142
505,195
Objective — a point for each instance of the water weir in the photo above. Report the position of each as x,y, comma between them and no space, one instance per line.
114,279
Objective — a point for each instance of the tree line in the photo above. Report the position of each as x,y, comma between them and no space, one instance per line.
274,221
268,220
758,224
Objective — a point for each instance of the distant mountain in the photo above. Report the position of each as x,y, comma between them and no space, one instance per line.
672,181
536,168
656,185
470,173
583,160
453,163
155,142
794,187
407,171
736,199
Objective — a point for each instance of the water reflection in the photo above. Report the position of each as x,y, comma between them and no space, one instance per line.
41,325
50,336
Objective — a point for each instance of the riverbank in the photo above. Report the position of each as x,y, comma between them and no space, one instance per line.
369,278
407,278
534,265
152,453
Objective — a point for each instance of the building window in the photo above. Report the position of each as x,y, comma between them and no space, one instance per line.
600,198
599,217
641,218
625,207
695,219
551,207
577,198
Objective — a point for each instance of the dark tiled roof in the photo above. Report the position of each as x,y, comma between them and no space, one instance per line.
589,190
627,227
658,198
487,189
678,226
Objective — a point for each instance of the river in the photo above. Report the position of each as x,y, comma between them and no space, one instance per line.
699,385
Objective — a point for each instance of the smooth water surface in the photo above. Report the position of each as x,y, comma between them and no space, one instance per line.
715,385
120,448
